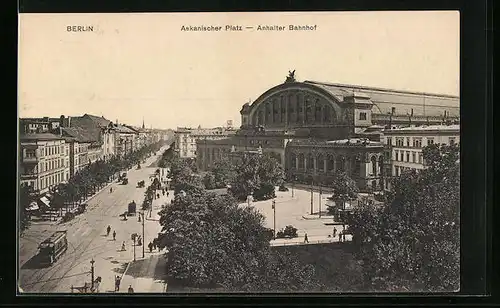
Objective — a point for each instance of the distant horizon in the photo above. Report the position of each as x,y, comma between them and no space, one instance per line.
172,78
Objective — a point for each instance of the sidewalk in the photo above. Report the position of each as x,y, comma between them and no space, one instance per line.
57,219
145,275
312,240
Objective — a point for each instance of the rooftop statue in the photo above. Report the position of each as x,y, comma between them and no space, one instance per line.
291,76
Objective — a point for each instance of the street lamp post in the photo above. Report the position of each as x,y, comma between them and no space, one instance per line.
92,273
312,197
143,239
274,218
135,237
319,201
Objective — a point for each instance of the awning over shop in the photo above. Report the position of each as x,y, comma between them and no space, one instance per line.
33,207
45,201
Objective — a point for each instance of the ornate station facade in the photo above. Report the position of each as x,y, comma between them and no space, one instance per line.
316,129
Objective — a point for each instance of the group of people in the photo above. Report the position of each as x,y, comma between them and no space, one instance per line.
118,280
340,234
153,245
108,230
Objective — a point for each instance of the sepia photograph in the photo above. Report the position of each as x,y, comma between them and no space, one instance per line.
241,152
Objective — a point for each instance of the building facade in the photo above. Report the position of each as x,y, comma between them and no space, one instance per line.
186,138
405,144
43,161
306,124
124,140
98,130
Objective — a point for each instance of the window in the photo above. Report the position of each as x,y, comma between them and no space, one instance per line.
399,142
430,141
413,157
362,116
451,140
417,142
30,153
407,156
397,155
389,140
407,142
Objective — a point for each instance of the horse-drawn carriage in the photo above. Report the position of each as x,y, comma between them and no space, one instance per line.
131,210
141,184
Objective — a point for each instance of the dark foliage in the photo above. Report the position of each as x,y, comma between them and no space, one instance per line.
412,243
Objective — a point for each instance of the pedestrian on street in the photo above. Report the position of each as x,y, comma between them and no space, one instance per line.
163,192
168,193
117,283
130,289
111,190
157,196
334,232
108,230
306,240
114,235
150,246
340,237
123,246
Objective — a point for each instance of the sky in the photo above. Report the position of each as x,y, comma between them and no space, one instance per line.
142,66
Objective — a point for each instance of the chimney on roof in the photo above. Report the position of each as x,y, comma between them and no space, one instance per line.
116,121
61,121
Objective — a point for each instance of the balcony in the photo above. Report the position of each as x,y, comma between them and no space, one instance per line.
30,159
27,176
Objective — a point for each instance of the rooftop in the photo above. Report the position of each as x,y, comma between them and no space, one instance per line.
40,136
404,102
80,134
427,128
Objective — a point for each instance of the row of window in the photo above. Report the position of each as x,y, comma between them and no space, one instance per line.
52,164
47,181
409,156
400,169
273,112
416,142
53,150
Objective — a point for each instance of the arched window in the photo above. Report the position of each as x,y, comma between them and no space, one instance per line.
320,163
340,163
310,162
293,161
330,164
260,117
317,111
374,165
381,165
301,161
357,165
326,114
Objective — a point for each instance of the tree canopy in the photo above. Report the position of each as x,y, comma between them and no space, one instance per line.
257,175
25,199
213,242
412,243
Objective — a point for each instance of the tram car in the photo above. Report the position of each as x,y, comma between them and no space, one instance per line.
51,249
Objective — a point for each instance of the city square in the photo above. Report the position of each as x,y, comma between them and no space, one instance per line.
244,172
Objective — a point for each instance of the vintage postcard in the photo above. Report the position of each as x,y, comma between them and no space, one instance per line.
239,152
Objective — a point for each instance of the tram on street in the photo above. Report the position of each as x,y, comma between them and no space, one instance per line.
50,250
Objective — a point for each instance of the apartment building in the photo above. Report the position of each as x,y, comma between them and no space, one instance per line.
405,145
43,161
186,138
82,148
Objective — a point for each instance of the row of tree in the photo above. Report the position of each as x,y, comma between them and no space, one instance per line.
412,242
409,242
84,183
255,175
212,242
